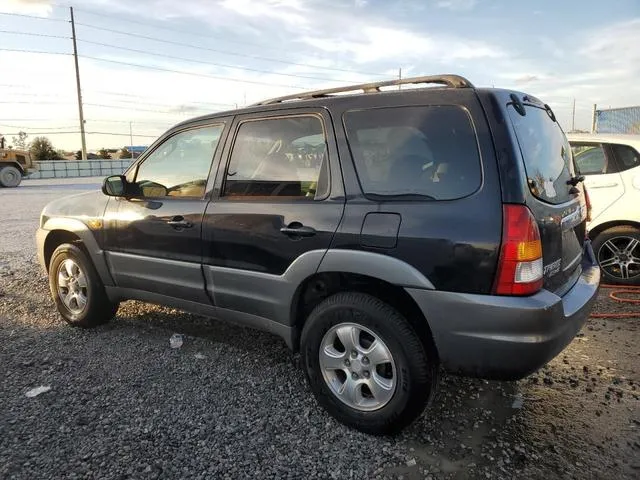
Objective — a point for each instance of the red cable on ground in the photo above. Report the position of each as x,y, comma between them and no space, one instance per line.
614,296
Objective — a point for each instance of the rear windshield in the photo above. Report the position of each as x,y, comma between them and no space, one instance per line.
423,152
545,151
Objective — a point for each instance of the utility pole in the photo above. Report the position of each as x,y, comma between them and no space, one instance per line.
131,137
75,59
573,116
400,78
593,118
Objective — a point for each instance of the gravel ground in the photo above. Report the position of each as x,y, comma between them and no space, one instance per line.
233,403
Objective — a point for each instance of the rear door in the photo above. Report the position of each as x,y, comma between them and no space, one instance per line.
279,196
558,206
597,163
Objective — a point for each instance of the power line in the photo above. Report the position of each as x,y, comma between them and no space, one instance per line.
28,128
177,30
255,57
151,104
134,122
20,102
121,107
199,102
205,75
121,134
32,51
15,32
33,16
105,92
146,52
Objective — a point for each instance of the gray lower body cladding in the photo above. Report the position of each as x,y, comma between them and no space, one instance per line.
506,337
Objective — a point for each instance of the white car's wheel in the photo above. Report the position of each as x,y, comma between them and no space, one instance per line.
618,252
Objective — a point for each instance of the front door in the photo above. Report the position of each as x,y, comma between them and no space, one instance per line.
154,235
279,200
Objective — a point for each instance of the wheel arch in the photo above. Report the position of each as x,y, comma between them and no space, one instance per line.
72,230
315,288
13,164
597,230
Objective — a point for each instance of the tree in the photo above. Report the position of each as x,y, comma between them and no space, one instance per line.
42,149
104,154
20,141
125,153
79,155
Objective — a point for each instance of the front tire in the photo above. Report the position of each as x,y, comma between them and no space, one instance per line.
365,364
10,176
77,290
617,250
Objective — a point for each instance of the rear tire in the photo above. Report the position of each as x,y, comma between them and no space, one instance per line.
77,290
617,250
401,372
10,176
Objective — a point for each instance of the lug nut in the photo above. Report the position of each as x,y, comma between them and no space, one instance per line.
354,375
366,374
354,353
365,360
347,362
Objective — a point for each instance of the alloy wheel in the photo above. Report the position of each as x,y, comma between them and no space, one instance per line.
620,257
357,366
72,286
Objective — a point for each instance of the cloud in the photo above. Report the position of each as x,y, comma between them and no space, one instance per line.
384,43
291,12
525,79
457,5
41,8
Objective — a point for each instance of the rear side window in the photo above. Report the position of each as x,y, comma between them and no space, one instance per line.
545,151
428,152
626,156
279,158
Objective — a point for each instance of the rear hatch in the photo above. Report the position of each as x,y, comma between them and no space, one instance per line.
557,204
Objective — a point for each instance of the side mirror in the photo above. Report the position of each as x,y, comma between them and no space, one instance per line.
114,186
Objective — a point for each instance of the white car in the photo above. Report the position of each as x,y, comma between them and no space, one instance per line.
611,167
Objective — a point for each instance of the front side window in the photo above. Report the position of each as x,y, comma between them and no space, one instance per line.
179,167
428,152
278,158
591,159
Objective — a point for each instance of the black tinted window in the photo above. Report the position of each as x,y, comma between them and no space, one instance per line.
627,156
545,151
427,152
280,157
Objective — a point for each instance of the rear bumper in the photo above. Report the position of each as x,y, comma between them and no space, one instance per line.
507,337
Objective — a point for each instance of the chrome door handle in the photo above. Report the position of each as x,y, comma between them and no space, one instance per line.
301,231
179,222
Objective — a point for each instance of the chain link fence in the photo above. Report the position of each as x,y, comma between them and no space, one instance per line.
618,120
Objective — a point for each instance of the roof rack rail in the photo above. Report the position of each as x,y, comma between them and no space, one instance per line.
454,81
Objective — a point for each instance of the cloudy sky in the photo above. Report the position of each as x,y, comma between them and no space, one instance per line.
151,63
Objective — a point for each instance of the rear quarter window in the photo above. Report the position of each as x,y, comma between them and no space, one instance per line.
421,152
545,151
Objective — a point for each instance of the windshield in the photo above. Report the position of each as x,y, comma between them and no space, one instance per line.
546,153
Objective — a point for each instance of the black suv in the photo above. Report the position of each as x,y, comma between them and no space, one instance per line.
381,233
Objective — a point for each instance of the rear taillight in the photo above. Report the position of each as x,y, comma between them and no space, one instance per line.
520,264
